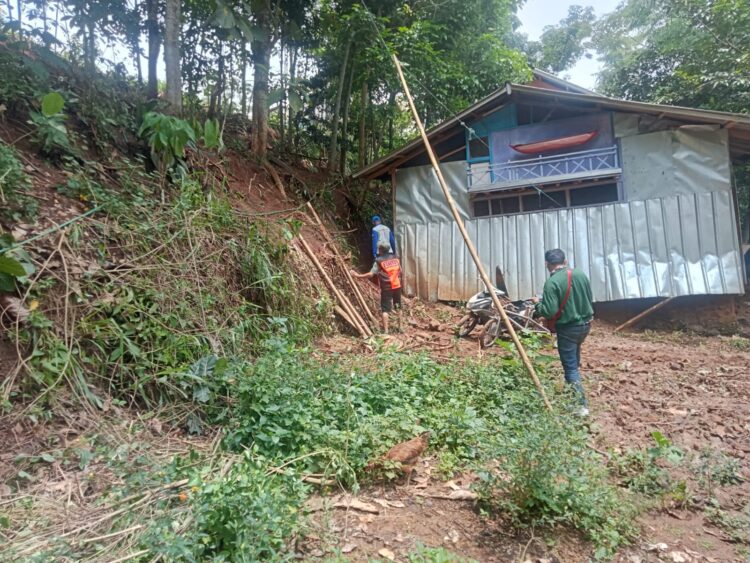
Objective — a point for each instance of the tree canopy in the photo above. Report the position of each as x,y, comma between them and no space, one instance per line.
317,76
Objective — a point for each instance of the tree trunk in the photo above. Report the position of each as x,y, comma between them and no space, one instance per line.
292,84
135,44
44,21
261,49
19,3
154,46
364,99
391,118
332,148
215,98
282,101
243,102
345,122
90,55
172,26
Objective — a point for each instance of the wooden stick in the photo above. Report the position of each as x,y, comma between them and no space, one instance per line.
467,240
362,328
344,267
344,315
275,176
643,314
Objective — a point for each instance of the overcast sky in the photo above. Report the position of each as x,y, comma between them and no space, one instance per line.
536,14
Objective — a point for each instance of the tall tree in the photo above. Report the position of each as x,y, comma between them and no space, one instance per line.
261,53
561,46
154,46
172,27
332,147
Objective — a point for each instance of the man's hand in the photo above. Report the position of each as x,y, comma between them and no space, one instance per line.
535,299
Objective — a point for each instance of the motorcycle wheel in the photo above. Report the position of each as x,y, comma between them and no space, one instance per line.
466,325
489,334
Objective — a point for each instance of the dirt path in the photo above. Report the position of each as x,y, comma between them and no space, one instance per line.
694,390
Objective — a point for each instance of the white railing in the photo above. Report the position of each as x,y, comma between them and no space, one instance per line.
513,174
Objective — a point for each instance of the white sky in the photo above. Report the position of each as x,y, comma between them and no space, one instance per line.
536,14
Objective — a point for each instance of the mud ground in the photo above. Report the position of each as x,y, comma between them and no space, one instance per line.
693,389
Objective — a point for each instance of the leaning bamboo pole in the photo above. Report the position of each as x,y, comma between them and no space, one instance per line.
346,305
467,240
340,259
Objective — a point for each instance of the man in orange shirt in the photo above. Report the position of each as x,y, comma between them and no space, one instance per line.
387,267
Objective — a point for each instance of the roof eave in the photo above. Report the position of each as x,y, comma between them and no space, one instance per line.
382,165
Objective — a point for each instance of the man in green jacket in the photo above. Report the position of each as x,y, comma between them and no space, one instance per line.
567,301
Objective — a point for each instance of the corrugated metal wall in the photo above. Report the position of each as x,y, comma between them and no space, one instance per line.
676,245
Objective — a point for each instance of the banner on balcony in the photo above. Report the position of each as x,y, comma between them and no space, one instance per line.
556,137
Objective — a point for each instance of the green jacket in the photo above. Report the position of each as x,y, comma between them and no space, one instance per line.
579,308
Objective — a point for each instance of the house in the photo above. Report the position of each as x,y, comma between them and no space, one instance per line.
639,196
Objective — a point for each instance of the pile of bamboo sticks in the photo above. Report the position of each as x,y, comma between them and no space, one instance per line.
359,317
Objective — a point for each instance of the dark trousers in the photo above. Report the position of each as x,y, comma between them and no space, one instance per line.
569,340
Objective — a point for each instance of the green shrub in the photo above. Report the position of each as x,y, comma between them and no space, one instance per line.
51,134
289,404
14,185
644,471
245,515
546,475
19,81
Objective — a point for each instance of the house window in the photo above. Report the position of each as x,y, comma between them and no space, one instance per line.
526,201
482,208
593,195
479,149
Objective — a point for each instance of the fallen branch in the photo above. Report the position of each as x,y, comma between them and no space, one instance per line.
277,180
643,314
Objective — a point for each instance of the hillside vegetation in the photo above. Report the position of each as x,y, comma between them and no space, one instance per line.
175,381
164,393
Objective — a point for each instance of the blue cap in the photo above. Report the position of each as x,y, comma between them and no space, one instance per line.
375,218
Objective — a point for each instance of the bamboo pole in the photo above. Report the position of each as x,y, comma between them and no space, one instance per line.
643,314
346,305
340,259
467,240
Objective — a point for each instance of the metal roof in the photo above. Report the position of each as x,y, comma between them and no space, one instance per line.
739,124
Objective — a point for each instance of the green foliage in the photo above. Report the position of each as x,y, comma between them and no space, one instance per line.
15,264
167,137
735,525
716,469
211,134
19,84
646,471
51,134
204,286
425,554
244,515
547,475
52,104
561,46
14,185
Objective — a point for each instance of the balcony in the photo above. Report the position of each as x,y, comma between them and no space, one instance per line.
590,164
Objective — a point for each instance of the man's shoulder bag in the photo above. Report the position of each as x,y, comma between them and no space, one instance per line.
553,321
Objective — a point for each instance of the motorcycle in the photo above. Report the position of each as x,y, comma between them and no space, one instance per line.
480,311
